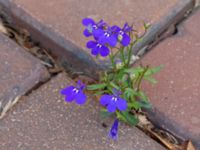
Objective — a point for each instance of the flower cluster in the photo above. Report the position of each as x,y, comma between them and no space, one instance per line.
120,86
105,36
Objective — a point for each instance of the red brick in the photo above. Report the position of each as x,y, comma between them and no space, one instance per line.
45,121
177,93
19,72
57,24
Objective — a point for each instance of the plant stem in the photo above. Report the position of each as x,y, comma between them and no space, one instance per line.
112,59
141,77
122,55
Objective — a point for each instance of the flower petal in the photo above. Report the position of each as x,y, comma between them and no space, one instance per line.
87,33
102,40
67,90
125,40
121,104
87,21
80,98
91,44
97,33
115,28
113,133
104,51
111,107
105,99
112,40
95,51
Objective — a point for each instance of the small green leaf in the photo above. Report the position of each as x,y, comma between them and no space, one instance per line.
142,95
96,86
152,71
114,85
134,105
130,118
150,79
144,104
129,93
104,113
121,117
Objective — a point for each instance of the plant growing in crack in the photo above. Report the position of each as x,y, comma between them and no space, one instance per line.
119,86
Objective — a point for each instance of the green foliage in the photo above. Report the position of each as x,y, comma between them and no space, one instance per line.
127,79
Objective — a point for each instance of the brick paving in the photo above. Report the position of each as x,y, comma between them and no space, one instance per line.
59,28
52,124
177,93
45,121
19,72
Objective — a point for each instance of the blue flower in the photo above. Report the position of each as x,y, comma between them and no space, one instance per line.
113,102
113,133
121,34
75,93
97,48
107,37
93,28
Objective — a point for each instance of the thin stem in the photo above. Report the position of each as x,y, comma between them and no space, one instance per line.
141,77
122,55
112,59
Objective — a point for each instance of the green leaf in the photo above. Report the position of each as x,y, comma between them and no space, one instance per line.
150,79
129,93
134,105
104,113
114,85
135,70
130,118
96,86
121,117
152,71
142,95
100,92
144,104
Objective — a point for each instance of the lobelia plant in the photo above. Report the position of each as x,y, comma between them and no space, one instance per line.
119,86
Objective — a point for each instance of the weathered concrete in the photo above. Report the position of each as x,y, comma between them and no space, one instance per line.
45,121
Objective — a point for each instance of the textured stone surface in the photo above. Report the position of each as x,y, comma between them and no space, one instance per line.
59,28
177,93
19,72
45,121
65,16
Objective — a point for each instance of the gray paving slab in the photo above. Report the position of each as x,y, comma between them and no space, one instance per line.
45,121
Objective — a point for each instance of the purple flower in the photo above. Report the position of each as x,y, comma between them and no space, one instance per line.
113,133
97,48
107,37
75,93
121,34
113,102
92,27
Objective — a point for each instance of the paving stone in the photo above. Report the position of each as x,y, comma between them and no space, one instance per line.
19,72
177,93
60,29
45,121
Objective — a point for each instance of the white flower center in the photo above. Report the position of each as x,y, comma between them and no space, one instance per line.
114,99
75,90
121,32
99,45
94,26
106,34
